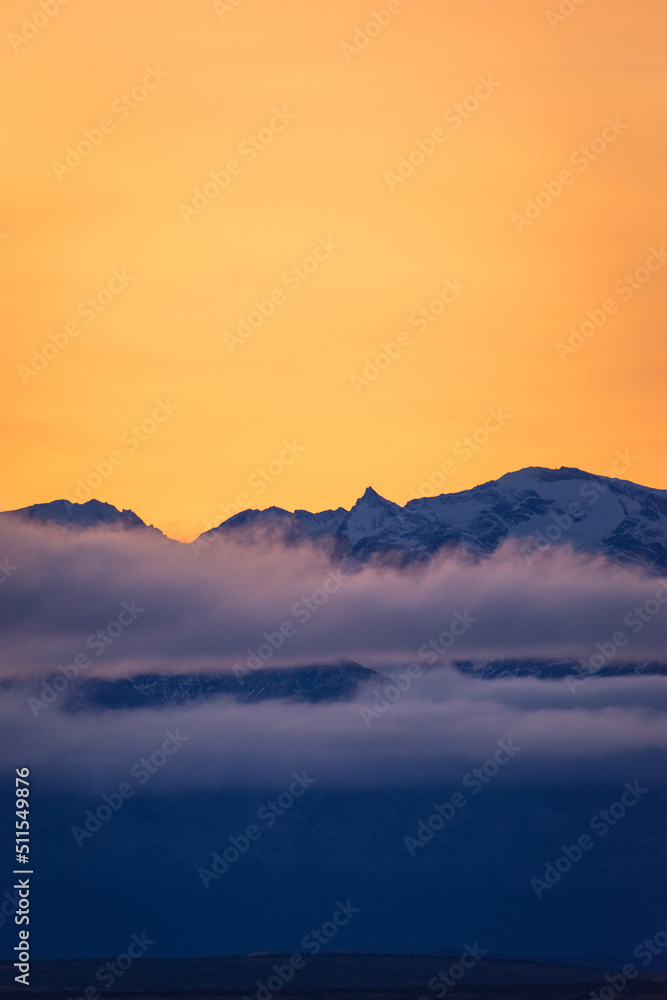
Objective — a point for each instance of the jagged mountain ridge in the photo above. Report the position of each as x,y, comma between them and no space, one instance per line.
539,507
314,684
549,669
92,514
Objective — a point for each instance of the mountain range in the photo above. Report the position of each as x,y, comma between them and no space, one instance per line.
340,976
313,684
534,508
201,656
537,507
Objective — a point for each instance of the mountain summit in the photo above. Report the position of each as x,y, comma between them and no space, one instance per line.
537,507
91,514
369,516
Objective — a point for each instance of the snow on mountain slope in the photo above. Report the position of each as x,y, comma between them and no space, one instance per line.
370,516
539,506
92,514
314,684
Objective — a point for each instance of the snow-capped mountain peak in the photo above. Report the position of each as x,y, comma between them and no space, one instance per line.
370,515
91,514
536,507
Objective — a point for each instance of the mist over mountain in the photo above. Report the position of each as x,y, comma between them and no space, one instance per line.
537,507
92,514
542,567
314,684
497,648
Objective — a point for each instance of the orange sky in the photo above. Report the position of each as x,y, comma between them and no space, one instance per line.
332,123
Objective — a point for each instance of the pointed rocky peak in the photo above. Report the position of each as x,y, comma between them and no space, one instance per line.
371,498
369,515
370,494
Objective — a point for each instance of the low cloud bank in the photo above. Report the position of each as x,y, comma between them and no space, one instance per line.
130,603
444,725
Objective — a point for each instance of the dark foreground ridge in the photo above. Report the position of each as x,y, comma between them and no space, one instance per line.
327,977
314,684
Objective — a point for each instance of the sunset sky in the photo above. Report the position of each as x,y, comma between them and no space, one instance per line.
157,96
